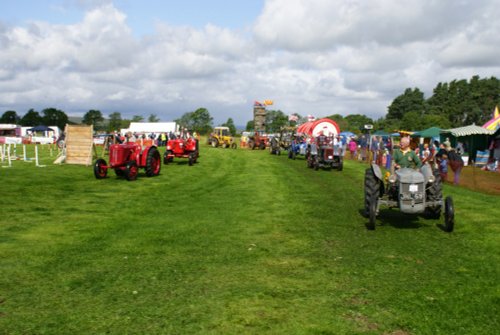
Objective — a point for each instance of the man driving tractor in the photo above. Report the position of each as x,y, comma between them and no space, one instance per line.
404,157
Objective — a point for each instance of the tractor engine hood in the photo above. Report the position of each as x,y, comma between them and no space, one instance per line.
410,176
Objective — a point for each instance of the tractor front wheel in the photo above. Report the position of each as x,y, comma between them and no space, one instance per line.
234,146
449,215
372,192
100,170
131,171
167,159
153,163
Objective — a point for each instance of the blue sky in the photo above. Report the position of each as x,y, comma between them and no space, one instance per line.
141,15
318,57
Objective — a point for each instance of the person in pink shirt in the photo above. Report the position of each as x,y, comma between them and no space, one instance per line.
353,146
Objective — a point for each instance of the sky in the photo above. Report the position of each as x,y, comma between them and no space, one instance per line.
318,57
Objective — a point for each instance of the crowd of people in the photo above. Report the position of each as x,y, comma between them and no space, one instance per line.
440,156
159,139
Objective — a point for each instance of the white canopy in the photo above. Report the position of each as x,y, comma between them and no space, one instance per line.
150,127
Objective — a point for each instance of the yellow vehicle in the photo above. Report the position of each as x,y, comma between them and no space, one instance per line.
221,137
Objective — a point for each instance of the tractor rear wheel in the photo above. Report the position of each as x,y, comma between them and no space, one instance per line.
100,170
372,191
449,215
434,193
191,159
153,163
131,171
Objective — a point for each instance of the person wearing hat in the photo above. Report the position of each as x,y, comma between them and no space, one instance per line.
404,157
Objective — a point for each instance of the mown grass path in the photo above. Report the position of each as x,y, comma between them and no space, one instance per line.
241,243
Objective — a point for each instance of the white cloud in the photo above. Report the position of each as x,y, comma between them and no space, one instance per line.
309,56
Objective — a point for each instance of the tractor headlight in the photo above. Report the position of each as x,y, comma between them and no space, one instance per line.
432,179
169,147
392,178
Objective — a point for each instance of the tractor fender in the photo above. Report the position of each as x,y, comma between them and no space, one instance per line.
376,171
426,170
144,155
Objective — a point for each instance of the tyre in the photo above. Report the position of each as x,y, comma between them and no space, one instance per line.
449,215
100,170
225,145
251,144
167,159
262,145
234,146
341,165
191,159
153,163
372,189
290,154
215,142
434,193
131,171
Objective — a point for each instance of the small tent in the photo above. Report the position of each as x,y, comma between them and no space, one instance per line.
475,138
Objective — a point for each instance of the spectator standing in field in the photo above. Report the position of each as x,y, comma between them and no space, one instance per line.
456,163
352,147
443,167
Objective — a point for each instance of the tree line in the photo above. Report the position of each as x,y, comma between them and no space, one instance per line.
458,103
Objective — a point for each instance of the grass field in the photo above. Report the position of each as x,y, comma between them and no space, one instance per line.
241,243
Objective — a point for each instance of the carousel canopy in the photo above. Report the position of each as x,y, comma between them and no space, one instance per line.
313,128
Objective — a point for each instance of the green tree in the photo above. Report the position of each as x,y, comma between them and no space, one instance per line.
54,117
250,126
93,117
275,120
137,118
230,124
115,122
31,119
10,117
356,122
153,118
412,100
199,121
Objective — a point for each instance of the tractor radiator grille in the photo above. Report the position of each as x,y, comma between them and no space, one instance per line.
412,194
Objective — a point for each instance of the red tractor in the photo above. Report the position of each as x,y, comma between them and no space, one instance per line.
183,149
127,158
258,140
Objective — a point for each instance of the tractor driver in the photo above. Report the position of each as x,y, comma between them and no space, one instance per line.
321,142
404,157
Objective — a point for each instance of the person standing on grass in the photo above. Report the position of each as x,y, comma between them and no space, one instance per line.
456,163
443,167
352,147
